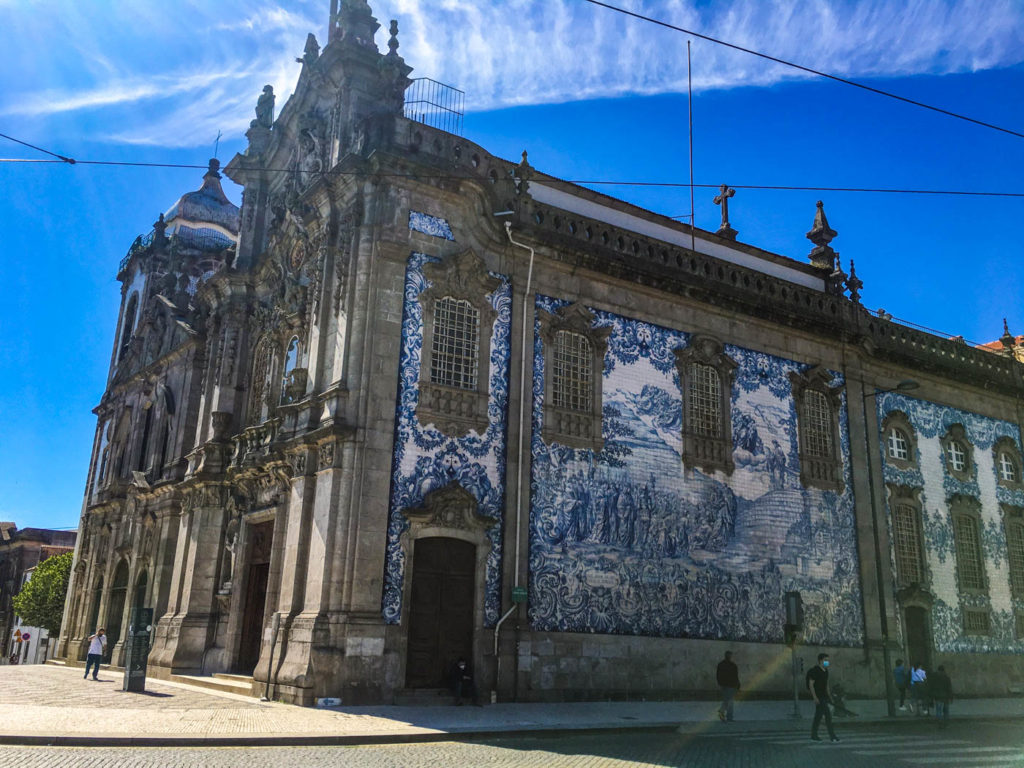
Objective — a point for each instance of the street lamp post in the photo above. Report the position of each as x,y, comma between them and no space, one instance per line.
890,690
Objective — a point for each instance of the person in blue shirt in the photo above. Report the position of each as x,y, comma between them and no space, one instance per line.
901,676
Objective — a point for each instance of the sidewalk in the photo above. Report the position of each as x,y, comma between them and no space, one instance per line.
53,705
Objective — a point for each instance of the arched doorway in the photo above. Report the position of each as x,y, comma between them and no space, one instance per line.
261,538
919,644
115,609
440,609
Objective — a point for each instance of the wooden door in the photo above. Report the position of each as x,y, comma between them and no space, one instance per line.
919,647
440,611
254,610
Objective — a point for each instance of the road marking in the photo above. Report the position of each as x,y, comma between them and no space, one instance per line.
921,751
965,759
867,741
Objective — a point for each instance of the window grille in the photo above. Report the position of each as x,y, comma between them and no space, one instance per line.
956,456
456,343
1015,556
1007,468
908,544
899,448
705,401
573,361
976,622
968,553
817,425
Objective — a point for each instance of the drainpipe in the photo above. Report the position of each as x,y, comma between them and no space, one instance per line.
519,457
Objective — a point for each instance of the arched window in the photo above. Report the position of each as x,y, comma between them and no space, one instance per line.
572,372
260,384
705,377
704,411
906,528
291,362
899,446
1008,463
959,453
456,343
967,537
817,406
128,325
1013,522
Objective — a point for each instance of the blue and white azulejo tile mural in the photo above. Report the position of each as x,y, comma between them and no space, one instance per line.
630,541
427,460
430,225
930,476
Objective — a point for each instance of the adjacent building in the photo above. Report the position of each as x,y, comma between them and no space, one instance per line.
413,402
20,552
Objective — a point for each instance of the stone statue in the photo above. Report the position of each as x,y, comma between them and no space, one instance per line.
265,108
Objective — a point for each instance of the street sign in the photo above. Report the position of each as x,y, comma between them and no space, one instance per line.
26,636
518,594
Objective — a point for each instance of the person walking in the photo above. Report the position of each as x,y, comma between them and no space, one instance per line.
728,676
940,687
901,676
918,689
817,685
97,647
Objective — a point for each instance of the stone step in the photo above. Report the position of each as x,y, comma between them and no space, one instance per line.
244,679
424,697
236,684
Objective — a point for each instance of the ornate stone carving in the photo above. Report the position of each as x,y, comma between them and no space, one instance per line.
326,455
451,507
821,235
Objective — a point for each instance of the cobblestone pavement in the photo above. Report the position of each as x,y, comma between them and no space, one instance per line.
963,745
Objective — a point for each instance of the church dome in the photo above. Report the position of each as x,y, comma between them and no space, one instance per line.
204,219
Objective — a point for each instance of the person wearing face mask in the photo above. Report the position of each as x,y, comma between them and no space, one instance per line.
817,685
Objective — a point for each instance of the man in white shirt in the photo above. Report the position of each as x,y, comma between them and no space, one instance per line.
97,646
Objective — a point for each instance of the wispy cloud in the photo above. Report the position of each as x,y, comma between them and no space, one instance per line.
173,76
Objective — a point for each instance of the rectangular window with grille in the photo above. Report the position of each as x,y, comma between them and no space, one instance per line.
572,372
976,622
456,343
817,425
968,553
907,538
1015,556
705,401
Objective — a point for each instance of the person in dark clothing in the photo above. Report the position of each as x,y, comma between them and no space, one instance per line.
817,685
901,676
728,676
940,687
462,682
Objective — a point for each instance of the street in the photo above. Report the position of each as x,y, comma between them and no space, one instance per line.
908,743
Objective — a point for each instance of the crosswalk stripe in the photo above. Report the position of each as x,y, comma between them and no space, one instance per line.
921,751
895,740
979,760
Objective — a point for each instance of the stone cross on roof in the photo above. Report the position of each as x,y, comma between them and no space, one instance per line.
722,199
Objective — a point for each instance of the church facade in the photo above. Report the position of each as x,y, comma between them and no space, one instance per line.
413,402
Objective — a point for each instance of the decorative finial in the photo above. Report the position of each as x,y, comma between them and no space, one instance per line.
1007,339
523,173
821,235
393,42
722,199
854,284
214,169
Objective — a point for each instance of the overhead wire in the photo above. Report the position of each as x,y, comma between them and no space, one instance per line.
554,181
809,70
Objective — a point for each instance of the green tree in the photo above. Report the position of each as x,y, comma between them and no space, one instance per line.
41,600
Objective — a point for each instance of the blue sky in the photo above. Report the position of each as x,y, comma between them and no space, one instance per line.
590,93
